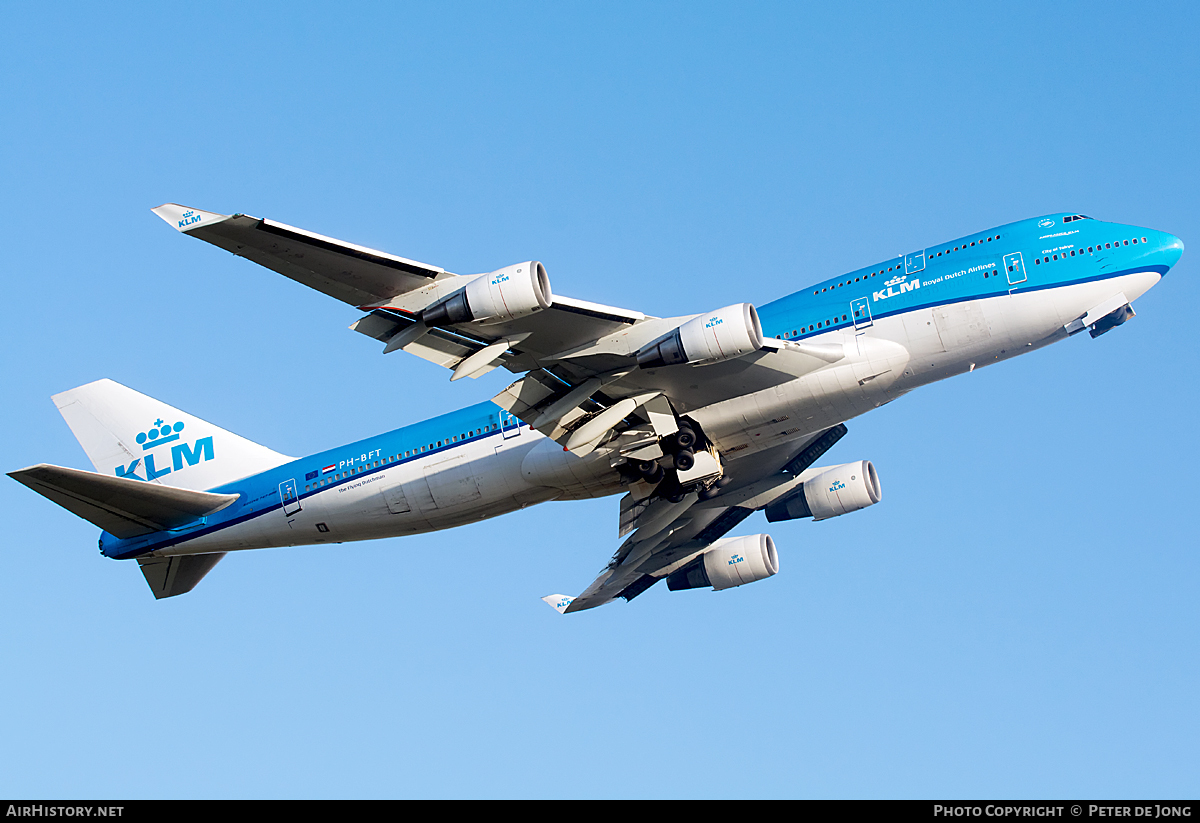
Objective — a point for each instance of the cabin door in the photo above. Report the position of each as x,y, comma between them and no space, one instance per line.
288,497
914,262
1016,268
509,425
860,309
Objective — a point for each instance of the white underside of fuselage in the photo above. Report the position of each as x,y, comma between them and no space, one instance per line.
483,479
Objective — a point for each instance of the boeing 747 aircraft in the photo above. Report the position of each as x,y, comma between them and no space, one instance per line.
697,421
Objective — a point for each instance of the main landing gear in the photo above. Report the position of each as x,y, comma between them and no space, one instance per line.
687,465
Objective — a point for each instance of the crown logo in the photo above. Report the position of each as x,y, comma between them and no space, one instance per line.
158,434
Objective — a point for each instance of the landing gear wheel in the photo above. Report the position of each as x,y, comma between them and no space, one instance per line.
685,438
650,471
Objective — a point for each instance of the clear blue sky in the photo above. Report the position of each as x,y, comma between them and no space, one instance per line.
1018,618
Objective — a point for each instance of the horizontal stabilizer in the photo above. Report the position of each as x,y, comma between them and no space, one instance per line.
169,576
122,507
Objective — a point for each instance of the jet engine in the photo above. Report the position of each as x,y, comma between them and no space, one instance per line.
841,489
733,331
505,294
733,561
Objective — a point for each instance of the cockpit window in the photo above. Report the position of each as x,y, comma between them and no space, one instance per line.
1076,217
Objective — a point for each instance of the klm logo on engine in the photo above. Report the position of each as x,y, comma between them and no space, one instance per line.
713,322
501,277
837,486
182,453
897,285
735,559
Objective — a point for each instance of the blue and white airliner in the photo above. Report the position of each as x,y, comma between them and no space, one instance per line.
697,421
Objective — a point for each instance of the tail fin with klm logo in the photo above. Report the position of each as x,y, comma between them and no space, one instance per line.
127,434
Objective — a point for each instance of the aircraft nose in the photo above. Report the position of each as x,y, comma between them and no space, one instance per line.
1172,249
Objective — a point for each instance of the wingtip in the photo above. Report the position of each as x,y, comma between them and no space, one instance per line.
184,219
558,602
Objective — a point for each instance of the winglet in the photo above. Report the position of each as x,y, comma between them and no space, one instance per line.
558,602
185,219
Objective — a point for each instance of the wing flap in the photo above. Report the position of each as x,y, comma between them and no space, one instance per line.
439,346
122,507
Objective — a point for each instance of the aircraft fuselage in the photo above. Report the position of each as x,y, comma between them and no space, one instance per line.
898,325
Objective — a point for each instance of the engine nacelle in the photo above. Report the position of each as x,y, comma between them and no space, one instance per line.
731,562
505,294
842,489
733,331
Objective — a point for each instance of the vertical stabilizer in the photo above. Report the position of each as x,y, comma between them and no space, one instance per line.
127,434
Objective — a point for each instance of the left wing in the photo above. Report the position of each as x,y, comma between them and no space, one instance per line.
394,291
353,274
